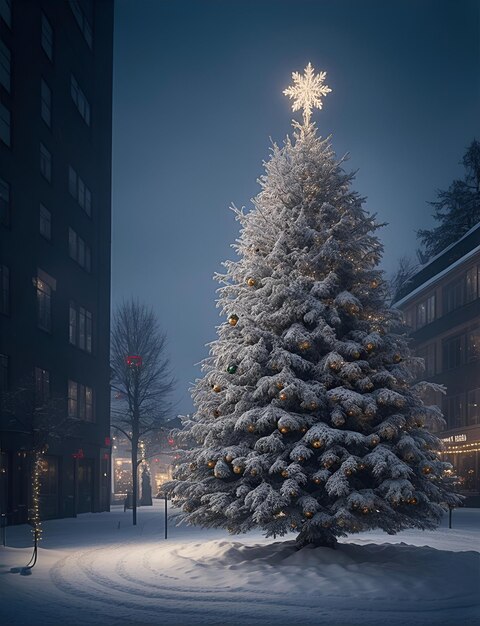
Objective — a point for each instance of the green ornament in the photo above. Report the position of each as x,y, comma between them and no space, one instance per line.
231,369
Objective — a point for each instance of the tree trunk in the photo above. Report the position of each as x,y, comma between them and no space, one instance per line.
134,479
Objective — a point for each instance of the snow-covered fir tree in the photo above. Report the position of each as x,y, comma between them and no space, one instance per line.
308,417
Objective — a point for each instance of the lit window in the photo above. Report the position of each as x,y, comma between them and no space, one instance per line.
42,386
5,66
6,12
44,305
46,103
47,37
45,222
45,163
4,202
5,134
4,290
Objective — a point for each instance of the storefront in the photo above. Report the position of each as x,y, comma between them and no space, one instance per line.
462,450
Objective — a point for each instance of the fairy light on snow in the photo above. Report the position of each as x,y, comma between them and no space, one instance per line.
35,517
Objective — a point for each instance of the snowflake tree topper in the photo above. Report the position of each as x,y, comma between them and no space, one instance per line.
307,92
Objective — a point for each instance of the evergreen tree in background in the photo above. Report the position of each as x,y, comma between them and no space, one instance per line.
457,209
307,417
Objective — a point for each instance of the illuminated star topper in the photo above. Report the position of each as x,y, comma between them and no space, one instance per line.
307,92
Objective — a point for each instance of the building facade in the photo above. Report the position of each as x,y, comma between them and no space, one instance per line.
56,62
441,305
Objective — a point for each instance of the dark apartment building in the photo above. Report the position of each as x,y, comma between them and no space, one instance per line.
441,305
55,213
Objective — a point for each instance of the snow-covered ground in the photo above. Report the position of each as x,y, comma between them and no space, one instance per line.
98,569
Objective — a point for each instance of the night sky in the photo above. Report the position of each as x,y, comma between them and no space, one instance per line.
198,97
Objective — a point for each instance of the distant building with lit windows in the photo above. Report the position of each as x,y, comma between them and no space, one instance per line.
56,60
441,305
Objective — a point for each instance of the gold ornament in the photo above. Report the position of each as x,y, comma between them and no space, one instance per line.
317,480
283,396
303,429
413,501
216,388
284,430
293,525
251,428
237,469
284,473
251,282
301,459
280,386
210,463
374,283
361,466
317,443
397,358
308,514
304,345
253,472
374,441
348,472
427,470
233,319
228,458
369,347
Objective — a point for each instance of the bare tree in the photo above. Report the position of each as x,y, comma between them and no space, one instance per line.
405,270
141,379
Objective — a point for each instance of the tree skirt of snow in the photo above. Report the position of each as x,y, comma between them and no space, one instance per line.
203,577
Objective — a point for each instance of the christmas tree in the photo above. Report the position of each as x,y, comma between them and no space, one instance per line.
308,417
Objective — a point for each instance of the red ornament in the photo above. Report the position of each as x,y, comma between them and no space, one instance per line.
133,360
171,441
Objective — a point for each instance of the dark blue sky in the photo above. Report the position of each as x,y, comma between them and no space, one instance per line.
198,94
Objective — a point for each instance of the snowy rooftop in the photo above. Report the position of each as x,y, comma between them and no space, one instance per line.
99,569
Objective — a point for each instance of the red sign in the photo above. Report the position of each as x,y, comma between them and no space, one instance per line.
79,454
134,360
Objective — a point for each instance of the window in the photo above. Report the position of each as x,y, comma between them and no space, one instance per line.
454,410
80,327
79,190
46,103
82,22
45,163
427,353
78,250
473,407
473,344
5,134
42,386
3,372
6,11
80,401
471,284
4,290
453,352
80,100
5,66
44,305
426,311
47,37
45,222
4,202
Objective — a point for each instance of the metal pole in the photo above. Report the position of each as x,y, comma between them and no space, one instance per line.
4,529
450,509
166,513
